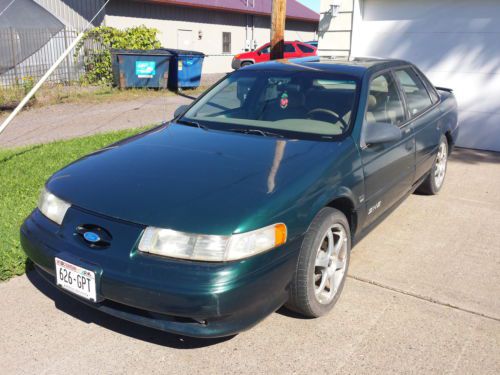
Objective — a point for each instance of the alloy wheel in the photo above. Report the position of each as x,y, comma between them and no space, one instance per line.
440,168
330,264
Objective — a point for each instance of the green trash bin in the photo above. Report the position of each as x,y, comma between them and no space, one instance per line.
137,68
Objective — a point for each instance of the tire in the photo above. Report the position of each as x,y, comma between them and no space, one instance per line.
246,63
435,180
311,293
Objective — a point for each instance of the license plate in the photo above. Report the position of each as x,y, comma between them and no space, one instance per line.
76,279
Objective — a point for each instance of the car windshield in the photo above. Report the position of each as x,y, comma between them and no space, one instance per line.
299,104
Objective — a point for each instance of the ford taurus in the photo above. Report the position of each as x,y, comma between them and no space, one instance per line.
249,199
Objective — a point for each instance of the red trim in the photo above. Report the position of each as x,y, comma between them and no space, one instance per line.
221,8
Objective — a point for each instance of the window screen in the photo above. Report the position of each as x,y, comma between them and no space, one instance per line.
289,48
226,42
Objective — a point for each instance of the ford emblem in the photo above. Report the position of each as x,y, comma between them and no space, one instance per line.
91,237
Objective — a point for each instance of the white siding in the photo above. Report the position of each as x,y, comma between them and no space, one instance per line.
169,19
334,35
455,42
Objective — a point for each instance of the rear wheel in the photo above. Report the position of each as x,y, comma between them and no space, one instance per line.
434,182
322,265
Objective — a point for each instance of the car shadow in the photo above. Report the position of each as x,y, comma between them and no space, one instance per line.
89,315
471,156
291,314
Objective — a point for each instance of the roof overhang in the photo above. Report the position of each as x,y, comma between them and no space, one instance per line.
224,8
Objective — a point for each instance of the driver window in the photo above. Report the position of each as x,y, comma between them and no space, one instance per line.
384,102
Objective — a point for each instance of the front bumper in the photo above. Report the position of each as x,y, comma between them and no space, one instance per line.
196,299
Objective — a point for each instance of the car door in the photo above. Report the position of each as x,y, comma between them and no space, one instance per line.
424,114
263,54
389,168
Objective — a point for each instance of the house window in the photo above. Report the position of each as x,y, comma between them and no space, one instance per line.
226,42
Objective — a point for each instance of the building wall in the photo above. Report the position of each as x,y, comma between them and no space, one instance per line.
335,33
74,13
454,42
201,29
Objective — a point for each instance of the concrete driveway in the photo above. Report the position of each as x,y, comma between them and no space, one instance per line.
423,296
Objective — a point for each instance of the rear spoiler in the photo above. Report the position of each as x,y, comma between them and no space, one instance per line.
443,89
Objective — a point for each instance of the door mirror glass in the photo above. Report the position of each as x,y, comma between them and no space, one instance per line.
180,110
381,132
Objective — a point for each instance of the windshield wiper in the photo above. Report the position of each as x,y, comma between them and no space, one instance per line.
192,123
264,133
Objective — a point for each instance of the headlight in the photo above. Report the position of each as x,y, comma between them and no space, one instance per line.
175,244
52,207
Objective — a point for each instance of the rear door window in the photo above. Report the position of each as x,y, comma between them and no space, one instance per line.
289,48
384,102
417,97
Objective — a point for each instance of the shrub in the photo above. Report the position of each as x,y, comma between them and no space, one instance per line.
98,42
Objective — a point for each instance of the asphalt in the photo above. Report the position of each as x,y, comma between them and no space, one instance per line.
422,296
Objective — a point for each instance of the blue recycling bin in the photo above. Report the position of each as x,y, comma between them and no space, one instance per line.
138,68
185,68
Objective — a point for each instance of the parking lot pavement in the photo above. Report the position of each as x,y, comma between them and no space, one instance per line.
422,297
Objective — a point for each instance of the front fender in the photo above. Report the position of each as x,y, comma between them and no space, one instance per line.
339,197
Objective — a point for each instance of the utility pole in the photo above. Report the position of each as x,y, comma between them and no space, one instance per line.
278,18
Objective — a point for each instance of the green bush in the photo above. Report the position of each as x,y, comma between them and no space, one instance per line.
98,42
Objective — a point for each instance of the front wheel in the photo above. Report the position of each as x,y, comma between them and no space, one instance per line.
434,182
322,265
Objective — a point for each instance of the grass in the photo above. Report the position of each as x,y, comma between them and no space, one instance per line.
23,172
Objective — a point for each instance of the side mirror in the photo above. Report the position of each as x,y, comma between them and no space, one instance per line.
381,132
180,110
259,53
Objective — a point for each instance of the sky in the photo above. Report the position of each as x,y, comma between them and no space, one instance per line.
313,4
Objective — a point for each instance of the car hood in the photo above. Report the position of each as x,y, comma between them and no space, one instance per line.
194,180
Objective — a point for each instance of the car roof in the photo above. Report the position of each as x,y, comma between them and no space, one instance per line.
356,67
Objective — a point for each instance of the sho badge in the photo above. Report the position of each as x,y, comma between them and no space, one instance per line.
372,209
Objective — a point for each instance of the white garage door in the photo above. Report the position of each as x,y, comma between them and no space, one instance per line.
455,42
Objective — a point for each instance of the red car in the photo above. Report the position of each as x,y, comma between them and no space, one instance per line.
261,54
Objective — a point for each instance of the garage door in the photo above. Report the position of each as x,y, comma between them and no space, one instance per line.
455,42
